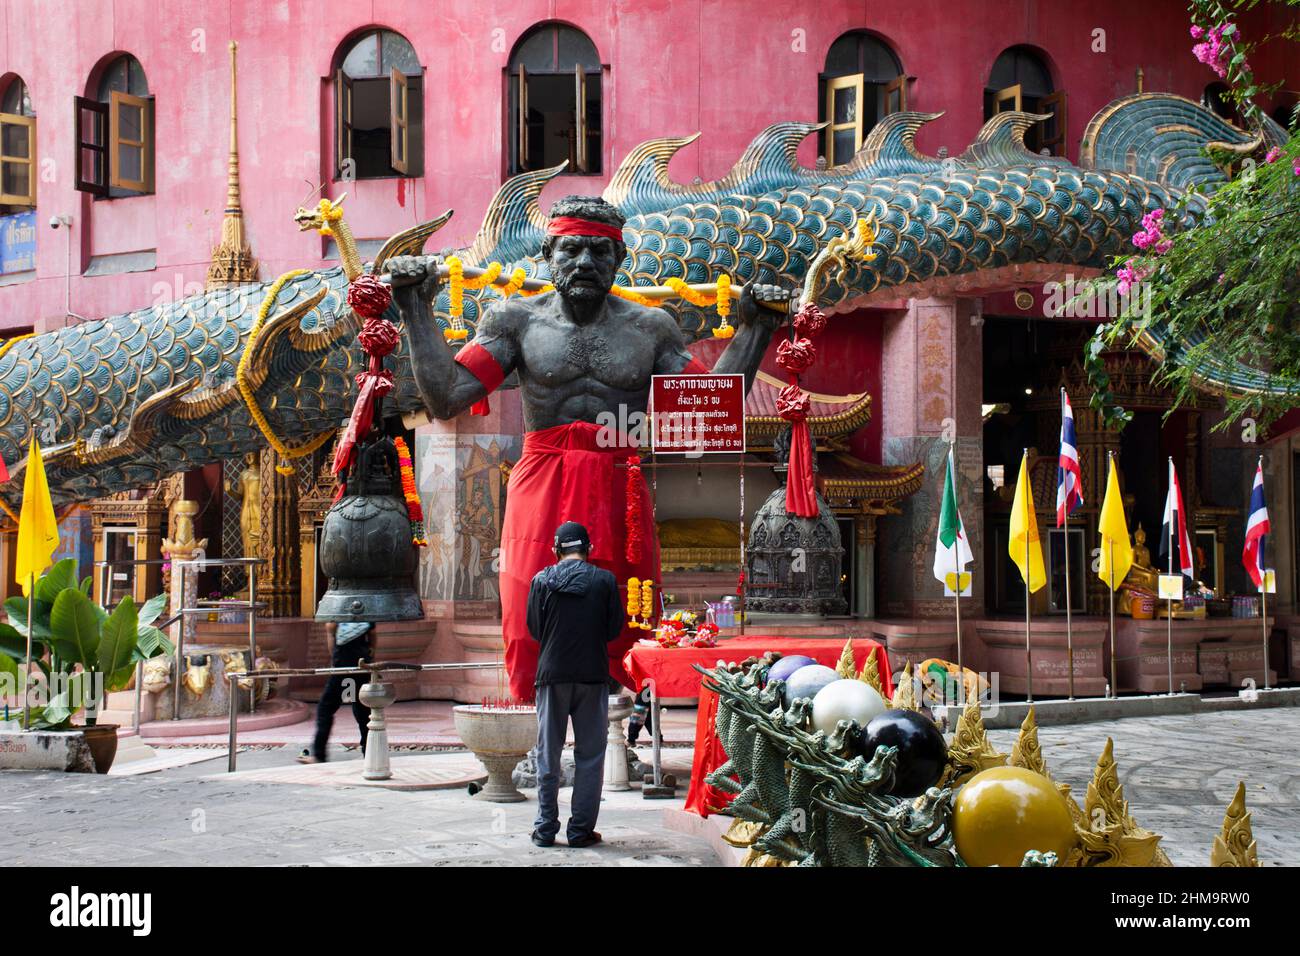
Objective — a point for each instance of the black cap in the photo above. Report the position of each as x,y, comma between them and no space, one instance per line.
572,537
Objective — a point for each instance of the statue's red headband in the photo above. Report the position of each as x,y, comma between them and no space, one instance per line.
573,226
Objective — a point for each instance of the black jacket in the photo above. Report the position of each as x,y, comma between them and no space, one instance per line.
574,611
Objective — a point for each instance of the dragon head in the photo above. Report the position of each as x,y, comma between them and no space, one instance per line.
323,217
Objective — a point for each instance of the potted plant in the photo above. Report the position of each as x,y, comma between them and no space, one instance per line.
90,651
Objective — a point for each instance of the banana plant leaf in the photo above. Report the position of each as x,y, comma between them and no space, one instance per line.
117,642
74,629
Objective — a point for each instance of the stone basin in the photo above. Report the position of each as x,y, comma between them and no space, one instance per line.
500,738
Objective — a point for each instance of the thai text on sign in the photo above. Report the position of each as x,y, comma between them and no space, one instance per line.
697,414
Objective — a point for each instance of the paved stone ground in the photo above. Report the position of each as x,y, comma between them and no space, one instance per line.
1178,774
176,817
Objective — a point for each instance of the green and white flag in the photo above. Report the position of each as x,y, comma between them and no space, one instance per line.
951,546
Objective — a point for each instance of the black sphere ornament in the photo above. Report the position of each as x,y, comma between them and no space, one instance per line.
922,751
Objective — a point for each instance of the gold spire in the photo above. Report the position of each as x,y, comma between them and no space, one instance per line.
845,667
232,259
970,750
1235,846
870,674
905,692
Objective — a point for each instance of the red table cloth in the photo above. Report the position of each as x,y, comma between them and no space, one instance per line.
673,676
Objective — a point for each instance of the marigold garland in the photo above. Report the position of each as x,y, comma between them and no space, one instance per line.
724,329
241,380
633,601
647,604
414,511
329,212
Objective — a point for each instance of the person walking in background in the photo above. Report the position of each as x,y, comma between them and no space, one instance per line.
574,612
349,643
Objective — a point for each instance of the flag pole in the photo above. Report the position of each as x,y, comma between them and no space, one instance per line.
956,591
1263,591
27,664
1169,601
1069,633
1114,681
1029,666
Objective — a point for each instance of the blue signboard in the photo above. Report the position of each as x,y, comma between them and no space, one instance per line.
18,242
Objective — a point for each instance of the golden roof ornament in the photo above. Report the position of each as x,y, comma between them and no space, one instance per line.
1235,845
870,674
1109,836
905,692
232,259
970,750
846,668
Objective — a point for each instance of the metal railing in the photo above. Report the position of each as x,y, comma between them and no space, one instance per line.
252,605
377,763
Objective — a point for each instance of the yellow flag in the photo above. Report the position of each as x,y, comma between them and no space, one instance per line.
1114,533
38,532
1024,527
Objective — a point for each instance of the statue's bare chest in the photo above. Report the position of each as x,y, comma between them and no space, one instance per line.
619,357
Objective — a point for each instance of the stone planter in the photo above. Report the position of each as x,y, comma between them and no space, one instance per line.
500,739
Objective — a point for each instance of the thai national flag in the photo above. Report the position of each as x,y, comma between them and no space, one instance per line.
1069,479
1252,555
1175,527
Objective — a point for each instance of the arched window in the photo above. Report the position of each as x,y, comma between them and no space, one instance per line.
115,137
1021,81
17,147
378,108
862,83
555,102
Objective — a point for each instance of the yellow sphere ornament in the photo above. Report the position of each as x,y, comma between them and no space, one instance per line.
1003,813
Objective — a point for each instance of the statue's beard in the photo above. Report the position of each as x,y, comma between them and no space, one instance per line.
580,290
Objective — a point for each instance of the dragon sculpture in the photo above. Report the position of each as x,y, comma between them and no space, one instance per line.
122,402
802,797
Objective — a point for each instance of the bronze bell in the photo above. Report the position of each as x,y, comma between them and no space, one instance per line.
365,545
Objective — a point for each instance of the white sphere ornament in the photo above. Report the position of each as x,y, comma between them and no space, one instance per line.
807,681
845,700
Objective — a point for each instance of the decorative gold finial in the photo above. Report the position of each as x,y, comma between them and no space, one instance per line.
905,692
1235,846
232,259
1108,835
846,668
1028,754
870,674
970,751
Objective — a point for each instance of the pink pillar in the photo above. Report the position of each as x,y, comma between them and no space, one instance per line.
932,389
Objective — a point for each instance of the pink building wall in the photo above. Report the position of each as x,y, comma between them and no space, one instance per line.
722,67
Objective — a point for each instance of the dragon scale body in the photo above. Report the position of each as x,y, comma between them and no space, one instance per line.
124,401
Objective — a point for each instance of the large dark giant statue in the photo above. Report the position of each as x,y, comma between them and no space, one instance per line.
579,352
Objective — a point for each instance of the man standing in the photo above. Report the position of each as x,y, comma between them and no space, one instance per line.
349,643
574,612
581,356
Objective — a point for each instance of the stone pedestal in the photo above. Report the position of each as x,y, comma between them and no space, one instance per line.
377,696
1004,648
209,663
616,775
500,738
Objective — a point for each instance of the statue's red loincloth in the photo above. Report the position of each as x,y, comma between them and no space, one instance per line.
573,472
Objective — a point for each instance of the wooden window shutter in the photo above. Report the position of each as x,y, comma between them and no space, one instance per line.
896,95
130,143
90,124
580,120
844,134
399,118
343,126
17,160
1007,99
1053,138
521,121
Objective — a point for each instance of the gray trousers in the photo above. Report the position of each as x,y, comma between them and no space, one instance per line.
588,706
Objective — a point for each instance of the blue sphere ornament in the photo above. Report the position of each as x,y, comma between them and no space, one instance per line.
786,666
845,699
807,681
922,751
